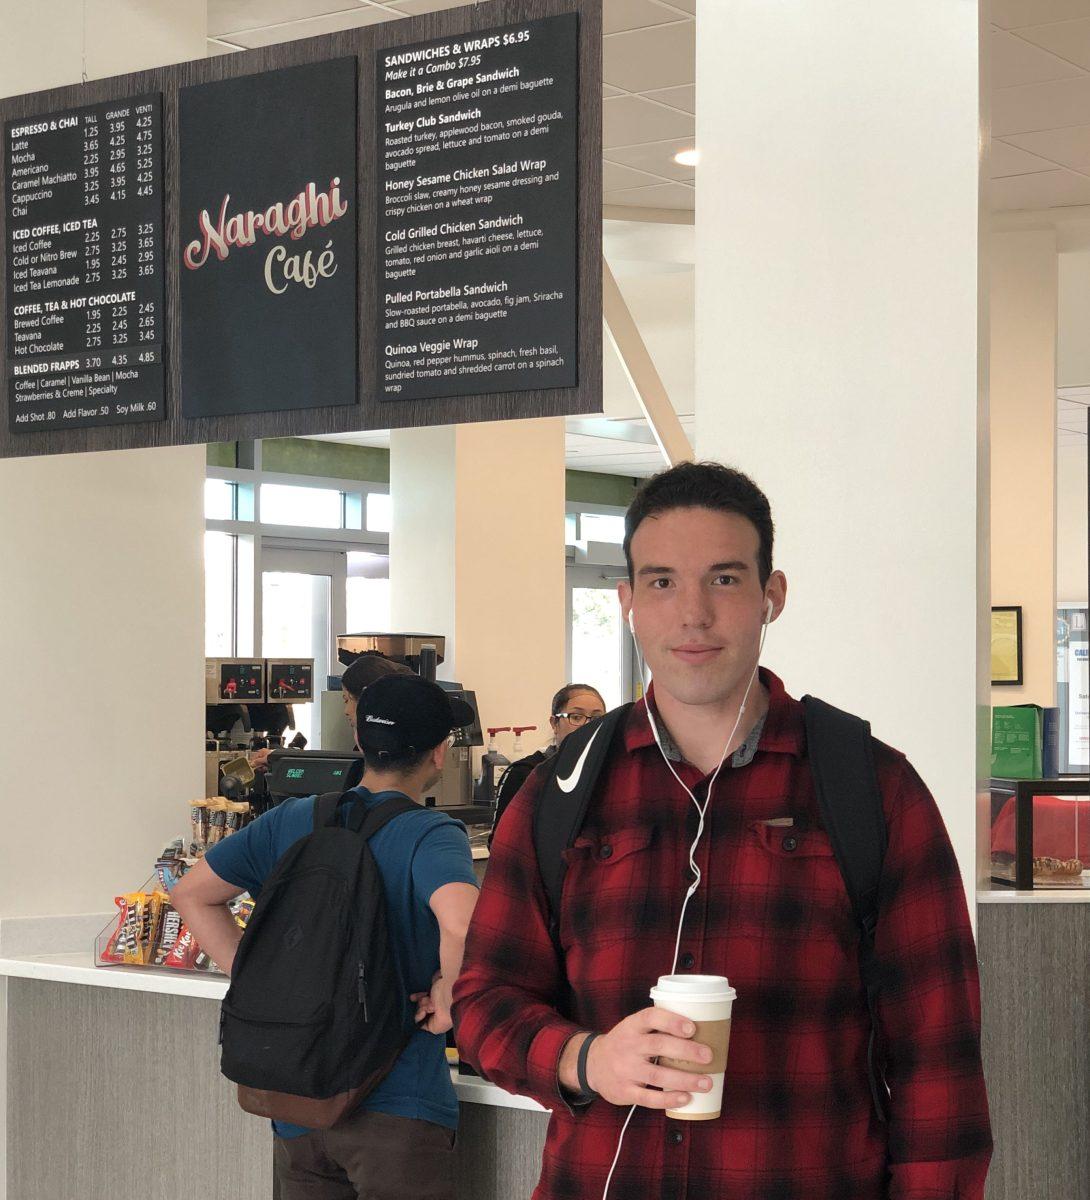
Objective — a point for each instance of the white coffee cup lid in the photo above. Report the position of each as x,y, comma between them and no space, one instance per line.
695,987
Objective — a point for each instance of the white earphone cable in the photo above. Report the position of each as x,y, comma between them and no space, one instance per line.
701,811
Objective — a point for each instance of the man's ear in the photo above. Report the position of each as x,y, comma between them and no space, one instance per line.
439,754
624,595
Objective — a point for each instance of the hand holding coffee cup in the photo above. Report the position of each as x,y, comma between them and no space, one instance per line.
707,1001
622,1070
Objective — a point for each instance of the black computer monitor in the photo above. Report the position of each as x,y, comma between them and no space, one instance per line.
312,772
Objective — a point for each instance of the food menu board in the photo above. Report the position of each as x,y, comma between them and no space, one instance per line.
477,197
84,210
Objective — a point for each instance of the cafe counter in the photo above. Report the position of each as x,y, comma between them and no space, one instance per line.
113,1088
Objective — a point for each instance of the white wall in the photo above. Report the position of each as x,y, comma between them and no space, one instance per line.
1023,450
836,348
102,637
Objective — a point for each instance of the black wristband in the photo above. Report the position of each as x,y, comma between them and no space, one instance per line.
581,1068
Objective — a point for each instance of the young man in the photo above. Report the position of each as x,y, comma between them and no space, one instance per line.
771,913
399,1143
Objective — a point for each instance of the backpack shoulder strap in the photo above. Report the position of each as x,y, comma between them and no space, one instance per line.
325,808
368,821
841,754
564,797
846,786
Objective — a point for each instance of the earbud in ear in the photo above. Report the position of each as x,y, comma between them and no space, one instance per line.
770,608
631,623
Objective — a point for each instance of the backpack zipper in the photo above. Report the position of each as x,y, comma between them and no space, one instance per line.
363,990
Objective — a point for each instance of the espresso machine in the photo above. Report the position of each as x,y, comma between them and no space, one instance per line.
248,706
421,653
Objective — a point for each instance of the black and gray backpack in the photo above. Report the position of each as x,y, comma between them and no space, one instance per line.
315,1016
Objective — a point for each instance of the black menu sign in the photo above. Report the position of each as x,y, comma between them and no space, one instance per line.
268,241
84,208
477,194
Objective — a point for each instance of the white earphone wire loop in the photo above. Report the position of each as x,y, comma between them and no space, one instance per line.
700,808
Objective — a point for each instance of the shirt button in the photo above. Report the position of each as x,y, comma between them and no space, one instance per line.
675,1136
790,843
605,851
687,962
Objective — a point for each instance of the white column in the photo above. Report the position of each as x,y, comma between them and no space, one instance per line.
836,330
477,554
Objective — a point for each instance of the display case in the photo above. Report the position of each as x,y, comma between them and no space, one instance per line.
1040,833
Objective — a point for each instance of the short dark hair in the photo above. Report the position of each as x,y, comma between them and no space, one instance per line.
362,671
395,764
703,485
560,700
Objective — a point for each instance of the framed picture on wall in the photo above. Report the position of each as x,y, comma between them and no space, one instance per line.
1007,645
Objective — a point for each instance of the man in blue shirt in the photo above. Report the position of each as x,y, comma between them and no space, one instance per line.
399,1143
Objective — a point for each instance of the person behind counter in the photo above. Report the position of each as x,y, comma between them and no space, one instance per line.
572,707
399,1144
566,1021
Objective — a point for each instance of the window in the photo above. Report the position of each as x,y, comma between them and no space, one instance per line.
368,593
598,643
220,500
598,528
379,512
220,552
315,508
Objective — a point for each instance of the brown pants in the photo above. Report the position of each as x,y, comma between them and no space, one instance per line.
370,1156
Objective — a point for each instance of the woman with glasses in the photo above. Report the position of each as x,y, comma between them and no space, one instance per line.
572,706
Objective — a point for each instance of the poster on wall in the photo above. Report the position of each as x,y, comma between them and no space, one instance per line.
477,196
83,208
268,216
1078,698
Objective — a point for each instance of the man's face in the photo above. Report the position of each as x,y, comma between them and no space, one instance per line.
350,703
697,601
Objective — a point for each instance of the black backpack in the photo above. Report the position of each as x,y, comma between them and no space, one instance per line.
841,756
315,1015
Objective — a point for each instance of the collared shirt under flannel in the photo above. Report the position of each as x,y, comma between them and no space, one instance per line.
772,915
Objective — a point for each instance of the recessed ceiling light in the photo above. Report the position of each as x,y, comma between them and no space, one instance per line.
687,158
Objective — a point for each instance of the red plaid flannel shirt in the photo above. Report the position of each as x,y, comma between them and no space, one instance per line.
773,915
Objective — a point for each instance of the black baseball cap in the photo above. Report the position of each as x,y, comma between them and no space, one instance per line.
404,714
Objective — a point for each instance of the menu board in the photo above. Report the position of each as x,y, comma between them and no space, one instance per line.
267,268
477,199
84,209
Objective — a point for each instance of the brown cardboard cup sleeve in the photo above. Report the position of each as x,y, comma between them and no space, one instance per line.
715,1034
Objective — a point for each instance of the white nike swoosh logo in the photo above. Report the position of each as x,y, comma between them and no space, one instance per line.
572,781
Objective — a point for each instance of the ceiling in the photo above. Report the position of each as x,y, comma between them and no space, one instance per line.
649,68
1040,65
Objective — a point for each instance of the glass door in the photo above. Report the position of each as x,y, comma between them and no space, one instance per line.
599,645
302,611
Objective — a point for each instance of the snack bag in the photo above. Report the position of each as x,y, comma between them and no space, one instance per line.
169,931
183,954
217,820
238,814
198,819
115,947
137,928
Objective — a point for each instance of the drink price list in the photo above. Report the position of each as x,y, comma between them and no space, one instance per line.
85,297
478,191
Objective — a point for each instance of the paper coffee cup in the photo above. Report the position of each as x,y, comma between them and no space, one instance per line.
706,1000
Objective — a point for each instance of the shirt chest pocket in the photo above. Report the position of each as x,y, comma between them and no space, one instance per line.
789,883
607,887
